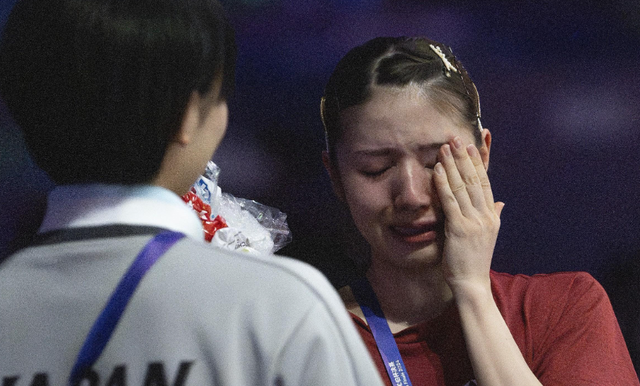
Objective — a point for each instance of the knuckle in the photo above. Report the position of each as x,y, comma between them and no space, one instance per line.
478,223
457,188
471,180
477,161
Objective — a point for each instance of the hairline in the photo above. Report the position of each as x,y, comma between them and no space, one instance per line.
423,89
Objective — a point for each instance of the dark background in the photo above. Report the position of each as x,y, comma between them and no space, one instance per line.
559,86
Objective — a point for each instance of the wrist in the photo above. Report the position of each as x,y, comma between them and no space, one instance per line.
475,294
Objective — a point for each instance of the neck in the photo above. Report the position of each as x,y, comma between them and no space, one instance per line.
176,173
409,295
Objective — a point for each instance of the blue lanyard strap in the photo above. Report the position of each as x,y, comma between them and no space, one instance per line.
108,320
366,298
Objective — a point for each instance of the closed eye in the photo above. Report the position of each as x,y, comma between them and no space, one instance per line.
374,173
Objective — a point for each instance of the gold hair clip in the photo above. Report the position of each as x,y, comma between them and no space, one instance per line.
322,108
447,64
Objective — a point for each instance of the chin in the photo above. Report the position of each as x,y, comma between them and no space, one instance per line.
429,256
424,258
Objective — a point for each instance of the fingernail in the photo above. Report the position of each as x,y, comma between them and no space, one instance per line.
457,142
438,168
472,151
446,150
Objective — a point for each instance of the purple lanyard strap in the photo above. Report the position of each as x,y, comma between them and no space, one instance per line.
385,341
106,323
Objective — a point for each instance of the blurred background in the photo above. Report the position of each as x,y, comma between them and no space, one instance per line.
559,83
560,89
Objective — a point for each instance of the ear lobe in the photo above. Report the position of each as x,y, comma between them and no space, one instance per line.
336,183
190,120
485,150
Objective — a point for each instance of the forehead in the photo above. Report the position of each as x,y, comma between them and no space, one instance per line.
398,118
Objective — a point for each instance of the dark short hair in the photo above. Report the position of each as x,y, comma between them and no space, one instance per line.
398,62
99,87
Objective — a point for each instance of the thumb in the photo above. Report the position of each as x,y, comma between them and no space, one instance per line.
499,206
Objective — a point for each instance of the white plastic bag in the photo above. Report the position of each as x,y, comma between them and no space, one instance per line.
252,226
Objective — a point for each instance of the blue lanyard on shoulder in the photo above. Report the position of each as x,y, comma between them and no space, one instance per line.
106,323
366,298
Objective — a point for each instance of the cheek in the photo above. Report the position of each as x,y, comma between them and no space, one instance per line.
220,122
215,124
366,201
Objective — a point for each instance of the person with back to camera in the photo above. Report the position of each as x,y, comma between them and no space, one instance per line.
123,103
406,153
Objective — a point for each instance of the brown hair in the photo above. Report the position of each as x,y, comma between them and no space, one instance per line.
399,62
99,87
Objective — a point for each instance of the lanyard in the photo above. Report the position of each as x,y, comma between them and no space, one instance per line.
106,323
381,332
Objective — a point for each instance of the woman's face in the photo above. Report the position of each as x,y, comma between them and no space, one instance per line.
385,172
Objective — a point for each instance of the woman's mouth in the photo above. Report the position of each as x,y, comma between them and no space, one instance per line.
414,233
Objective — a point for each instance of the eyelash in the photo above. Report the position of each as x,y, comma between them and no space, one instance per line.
375,174
380,172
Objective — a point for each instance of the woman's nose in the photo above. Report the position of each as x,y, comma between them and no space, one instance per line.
412,188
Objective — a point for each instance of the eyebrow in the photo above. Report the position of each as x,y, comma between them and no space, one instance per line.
384,151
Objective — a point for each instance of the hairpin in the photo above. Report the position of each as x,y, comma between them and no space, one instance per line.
477,99
448,67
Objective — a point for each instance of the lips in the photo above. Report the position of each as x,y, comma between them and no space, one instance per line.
415,233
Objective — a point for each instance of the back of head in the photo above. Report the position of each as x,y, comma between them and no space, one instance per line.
400,62
99,87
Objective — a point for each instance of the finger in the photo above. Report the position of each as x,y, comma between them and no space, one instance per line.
487,192
468,173
448,201
468,176
456,183
498,207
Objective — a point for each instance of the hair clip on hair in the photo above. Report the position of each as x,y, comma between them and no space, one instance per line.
448,67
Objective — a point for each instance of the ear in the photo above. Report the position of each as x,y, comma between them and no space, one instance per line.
485,149
190,120
336,183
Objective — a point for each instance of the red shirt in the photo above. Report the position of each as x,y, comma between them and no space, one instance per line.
563,323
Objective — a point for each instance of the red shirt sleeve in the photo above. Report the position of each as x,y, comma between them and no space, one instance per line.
565,326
